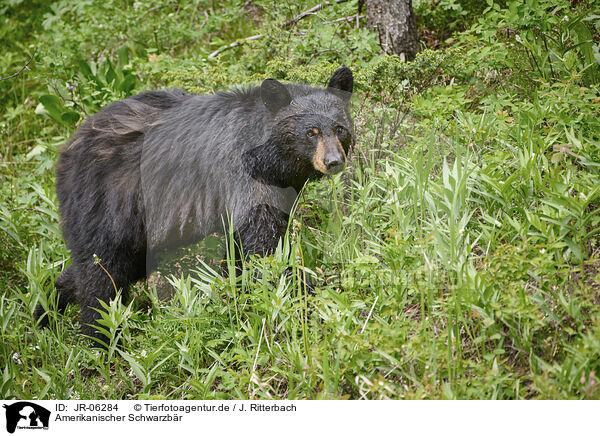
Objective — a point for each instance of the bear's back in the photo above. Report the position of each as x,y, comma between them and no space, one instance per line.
192,173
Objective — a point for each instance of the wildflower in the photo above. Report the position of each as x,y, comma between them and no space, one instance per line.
503,115
16,358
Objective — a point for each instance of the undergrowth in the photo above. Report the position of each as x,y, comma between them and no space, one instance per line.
457,256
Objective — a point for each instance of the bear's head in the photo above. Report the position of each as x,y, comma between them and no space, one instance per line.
312,130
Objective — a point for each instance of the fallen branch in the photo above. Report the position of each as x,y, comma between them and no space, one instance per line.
349,18
310,11
233,44
21,70
288,23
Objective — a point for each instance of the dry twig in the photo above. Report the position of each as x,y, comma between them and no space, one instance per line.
21,70
310,11
233,44
288,23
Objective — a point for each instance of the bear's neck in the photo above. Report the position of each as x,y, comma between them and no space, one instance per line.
272,164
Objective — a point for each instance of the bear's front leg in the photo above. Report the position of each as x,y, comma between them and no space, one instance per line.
260,232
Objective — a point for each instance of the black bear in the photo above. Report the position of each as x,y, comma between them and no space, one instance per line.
166,168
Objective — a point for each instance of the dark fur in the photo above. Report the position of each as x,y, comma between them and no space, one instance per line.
166,168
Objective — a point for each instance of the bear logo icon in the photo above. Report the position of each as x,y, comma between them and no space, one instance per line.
26,415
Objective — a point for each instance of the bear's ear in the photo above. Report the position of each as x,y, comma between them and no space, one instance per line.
274,95
342,79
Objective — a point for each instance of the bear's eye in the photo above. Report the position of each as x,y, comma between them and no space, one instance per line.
339,130
312,132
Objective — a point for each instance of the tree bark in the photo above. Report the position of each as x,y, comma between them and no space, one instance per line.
394,22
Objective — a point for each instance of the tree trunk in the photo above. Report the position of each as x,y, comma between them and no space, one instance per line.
394,22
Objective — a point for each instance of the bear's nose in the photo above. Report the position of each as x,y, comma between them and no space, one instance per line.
334,164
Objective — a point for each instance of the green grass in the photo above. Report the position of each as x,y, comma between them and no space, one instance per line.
457,257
